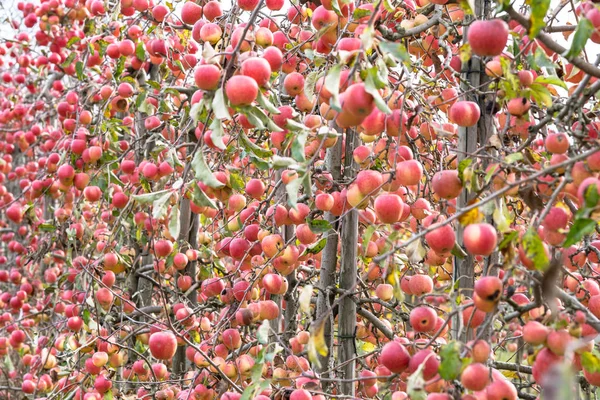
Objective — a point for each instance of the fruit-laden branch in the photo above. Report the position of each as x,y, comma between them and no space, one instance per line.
394,36
376,322
483,201
555,47
572,302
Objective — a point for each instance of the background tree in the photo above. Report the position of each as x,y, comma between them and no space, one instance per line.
310,200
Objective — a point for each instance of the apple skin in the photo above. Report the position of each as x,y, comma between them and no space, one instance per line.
480,239
475,377
446,184
163,345
488,37
395,357
241,90
464,113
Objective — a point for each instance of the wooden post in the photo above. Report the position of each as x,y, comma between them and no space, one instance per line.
348,272
329,259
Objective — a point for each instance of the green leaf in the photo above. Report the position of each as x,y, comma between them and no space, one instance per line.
584,31
218,105
72,41
467,6
371,88
534,249
581,227
262,333
513,158
253,119
298,145
396,50
309,83
360,13
332,84
458,251
264,102
541,94
237,182
450,364
464,164
69,60
387,6
366,237
160,206
551,80
217,134
248,145
140,51
148,198
591,196
590,362
318,225
108,395
283,162
316,247
79,70
201,199
203,172
292,189
174,222
86,316
47,227
539,9
507,239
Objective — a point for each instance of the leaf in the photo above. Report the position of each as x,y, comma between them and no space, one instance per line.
140,52
253,148
218,105
360,13
387,6
283,162
415,385
539,8
262,333
513,158
366,237
319,225
292,189
551,80
372,90
590,362
584,31
458,251
471,217
266,104
541,94
317,344
396,50
581,227
160,205
591,196
450,364
47,227
79,70
174,222
502,217
203,172
416,251
304,299
69,60
201,199
534,249
507,239
316,247
310,82
149,198
464,53
332,84
217,134
298,146
462,166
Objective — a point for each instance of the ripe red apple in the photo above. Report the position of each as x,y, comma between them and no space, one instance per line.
557,143
241,90
388,208
427,357
488,37
163,345
475,377
258,69
191,12
394,357
423,319
480,239
464,113
207,76
535,333
446,184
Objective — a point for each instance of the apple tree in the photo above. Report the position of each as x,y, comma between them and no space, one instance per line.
315,199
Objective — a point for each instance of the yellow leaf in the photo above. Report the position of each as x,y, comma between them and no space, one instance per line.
316,344
465,52
471,217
